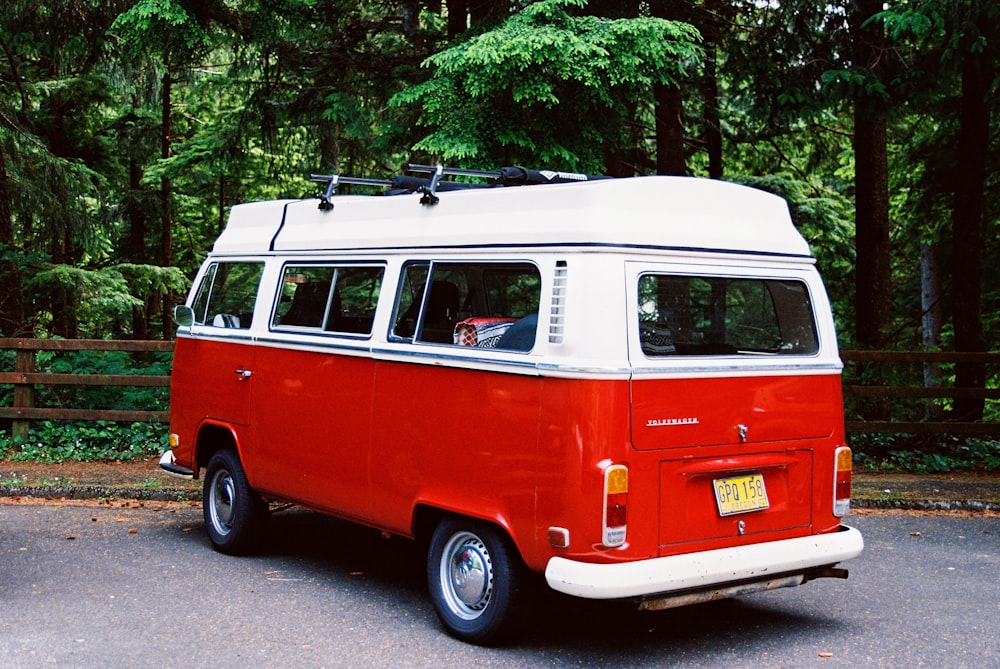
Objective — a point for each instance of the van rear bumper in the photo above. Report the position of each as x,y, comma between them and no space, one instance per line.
705,570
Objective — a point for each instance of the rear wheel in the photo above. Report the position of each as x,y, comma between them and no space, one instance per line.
476,580
234,513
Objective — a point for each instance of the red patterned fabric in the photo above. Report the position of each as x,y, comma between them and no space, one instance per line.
481,332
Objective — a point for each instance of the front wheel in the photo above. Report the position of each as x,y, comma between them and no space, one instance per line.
233,511
476,580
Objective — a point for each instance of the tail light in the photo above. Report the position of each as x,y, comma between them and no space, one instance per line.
842,464
615,505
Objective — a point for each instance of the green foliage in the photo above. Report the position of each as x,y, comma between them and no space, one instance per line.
91,441
547,86
163,25
825,218
887,451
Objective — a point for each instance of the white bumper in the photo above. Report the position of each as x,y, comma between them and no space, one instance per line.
704,570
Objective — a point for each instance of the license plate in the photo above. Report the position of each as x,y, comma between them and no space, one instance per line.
740,494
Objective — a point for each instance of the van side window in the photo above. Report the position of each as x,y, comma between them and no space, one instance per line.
227,295
328,298
469,304
702,315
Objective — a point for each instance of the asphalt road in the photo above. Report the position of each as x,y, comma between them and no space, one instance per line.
83,586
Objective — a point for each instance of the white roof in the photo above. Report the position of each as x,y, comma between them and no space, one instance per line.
670,213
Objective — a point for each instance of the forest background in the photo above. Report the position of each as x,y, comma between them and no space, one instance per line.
128,128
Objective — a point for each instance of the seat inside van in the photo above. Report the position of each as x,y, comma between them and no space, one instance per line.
440,313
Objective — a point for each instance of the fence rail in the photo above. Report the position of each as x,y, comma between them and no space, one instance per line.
25,377
898,392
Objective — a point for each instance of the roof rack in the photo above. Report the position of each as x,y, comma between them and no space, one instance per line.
429,186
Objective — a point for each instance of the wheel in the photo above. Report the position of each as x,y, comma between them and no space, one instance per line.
233,511
476,580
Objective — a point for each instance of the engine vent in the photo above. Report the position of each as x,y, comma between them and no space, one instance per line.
557,315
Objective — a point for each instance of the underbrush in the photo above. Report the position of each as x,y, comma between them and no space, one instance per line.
923,455
90,441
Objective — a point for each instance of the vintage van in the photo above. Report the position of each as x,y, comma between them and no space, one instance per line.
629,386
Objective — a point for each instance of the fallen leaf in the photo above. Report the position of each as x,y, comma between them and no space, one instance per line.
132,530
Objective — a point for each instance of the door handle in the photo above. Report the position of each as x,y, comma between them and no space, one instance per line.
243,373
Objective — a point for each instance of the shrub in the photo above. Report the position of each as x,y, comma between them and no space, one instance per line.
50,441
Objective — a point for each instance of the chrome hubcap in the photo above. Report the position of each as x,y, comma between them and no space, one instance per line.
221,502
466,575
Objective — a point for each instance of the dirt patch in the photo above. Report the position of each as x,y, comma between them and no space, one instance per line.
139,480
169,506
962,486
133,473
144,480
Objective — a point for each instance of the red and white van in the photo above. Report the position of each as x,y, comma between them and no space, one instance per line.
631,386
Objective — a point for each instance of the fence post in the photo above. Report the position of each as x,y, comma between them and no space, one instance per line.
24,363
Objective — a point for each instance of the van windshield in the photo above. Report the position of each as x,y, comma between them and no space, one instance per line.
682,315
227,295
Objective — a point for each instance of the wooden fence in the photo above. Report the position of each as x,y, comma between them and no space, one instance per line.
25,377
917,359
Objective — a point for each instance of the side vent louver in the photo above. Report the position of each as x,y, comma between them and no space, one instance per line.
557,315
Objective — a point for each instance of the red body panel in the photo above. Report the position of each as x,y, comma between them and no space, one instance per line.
708,412
206,383
311,429
688,511
371,440
455,439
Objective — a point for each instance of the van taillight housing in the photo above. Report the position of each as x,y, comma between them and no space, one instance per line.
842,464
615,505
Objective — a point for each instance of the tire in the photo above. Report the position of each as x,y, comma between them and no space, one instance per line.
476,580
234,513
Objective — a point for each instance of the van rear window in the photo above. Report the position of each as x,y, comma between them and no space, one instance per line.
704,315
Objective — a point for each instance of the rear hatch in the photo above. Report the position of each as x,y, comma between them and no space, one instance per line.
681,413
735,453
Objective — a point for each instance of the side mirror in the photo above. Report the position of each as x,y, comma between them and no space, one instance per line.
183,316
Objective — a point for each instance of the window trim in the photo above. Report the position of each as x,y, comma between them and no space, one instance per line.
750,274
431,264
320,331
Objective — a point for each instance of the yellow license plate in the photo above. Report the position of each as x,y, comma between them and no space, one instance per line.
740,494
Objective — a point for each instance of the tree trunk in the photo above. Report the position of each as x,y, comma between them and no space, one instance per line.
458,17
223,209
713,124
11,299
932,321
873,290
481,11
137,242
669,130
166,218
967,228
